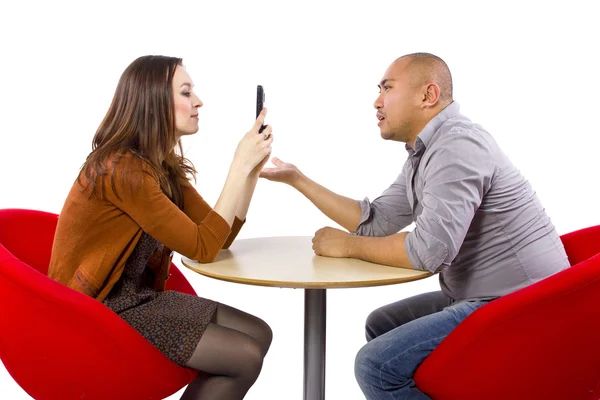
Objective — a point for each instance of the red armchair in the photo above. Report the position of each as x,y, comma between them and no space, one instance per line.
59,344
541,342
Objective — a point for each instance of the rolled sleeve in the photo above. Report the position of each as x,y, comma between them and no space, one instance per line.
425,251
387,214
365,207
457,176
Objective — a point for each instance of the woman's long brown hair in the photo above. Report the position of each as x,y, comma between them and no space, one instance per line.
141,120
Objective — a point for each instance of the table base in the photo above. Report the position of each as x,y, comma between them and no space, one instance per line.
315,312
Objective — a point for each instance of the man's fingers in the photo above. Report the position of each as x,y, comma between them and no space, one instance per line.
268,173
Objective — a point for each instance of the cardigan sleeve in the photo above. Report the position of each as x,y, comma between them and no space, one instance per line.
197,209
138,194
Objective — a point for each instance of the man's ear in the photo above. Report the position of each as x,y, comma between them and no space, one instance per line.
431,95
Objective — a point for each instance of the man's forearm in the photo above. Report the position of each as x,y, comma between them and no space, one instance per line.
343,210
387,250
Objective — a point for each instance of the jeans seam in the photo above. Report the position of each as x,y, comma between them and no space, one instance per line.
454,314
404,352
411,313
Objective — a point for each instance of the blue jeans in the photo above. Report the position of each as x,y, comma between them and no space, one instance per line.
400,336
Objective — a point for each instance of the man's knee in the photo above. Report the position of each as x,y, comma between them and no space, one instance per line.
367,364
379,367
380,322
373,325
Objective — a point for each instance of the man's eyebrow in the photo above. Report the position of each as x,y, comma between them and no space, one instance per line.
383,82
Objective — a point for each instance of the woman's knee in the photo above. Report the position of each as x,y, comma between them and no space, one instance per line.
265,335
268,334
251,360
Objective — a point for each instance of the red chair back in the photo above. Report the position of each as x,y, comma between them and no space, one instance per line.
59,344
28,235
540,342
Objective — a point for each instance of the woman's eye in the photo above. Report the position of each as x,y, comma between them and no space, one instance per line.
186,94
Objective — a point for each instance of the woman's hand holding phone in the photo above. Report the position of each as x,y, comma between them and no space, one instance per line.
254,147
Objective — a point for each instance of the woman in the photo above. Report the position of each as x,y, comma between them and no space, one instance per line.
133,205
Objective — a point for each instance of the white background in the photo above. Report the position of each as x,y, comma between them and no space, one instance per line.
528,72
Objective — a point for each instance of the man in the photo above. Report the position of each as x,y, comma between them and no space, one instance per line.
478,224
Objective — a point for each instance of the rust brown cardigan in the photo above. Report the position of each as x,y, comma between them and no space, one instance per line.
95,237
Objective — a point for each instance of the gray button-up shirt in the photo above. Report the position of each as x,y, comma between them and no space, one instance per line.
478,221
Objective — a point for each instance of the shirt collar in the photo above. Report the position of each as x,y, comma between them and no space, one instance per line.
424,137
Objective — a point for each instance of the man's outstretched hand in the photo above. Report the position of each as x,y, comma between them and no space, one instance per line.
283,172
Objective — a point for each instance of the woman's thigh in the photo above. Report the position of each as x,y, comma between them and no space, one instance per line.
225,351
249,324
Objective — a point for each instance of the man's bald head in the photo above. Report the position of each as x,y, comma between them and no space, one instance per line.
425,68
413,90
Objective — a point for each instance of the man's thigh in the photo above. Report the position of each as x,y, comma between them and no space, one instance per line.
391,316
395,355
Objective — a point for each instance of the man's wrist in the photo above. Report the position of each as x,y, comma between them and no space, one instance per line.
352,246
299,183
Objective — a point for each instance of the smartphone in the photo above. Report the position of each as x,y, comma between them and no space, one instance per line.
260,103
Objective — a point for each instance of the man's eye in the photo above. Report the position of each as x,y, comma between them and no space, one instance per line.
386,87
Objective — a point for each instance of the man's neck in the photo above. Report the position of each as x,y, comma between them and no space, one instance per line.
428,115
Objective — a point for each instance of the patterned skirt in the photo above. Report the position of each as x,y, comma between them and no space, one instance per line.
172,321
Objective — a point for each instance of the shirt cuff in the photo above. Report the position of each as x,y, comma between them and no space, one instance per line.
237,224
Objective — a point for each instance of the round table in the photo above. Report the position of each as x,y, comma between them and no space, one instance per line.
290,262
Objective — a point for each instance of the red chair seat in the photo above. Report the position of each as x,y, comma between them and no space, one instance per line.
541,342
59,344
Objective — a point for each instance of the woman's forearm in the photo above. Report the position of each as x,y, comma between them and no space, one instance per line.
232,195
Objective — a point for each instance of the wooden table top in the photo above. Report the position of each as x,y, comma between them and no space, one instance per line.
289,261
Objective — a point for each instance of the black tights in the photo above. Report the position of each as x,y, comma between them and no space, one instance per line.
230,354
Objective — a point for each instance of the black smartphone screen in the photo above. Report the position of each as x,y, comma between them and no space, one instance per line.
260,103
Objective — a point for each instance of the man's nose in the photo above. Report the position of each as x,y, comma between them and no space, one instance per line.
378,103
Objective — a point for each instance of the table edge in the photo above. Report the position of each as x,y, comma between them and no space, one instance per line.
308,285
